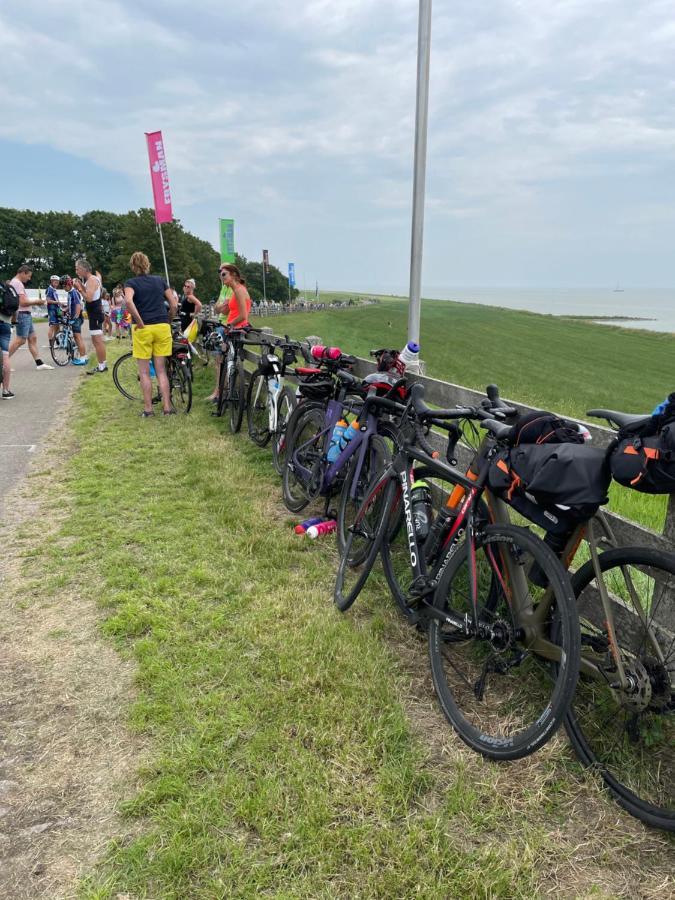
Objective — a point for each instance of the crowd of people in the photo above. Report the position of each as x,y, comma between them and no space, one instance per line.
143,306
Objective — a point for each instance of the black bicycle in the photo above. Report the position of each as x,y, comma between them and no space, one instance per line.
128,382
232,380
504,651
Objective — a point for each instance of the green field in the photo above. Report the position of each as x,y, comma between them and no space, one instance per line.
563,364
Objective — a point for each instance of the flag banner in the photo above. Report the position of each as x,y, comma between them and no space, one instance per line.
291,274
226,240
266,261
160,177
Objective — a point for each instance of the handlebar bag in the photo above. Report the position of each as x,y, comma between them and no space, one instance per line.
553,485
544,428
646,463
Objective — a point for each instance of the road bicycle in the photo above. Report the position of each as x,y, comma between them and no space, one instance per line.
178,370
232,381
63,348
270,403
621,721
504,651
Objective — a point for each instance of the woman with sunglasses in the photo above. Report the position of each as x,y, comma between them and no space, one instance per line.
236,307
190,304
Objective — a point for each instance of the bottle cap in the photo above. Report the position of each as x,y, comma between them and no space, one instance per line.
413,347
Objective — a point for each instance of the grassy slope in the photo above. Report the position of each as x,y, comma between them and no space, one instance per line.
566,365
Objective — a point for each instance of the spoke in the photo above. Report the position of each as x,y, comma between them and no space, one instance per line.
446,656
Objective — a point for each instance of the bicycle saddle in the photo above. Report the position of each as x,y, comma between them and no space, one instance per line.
617,418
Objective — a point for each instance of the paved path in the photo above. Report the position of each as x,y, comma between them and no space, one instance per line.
25,420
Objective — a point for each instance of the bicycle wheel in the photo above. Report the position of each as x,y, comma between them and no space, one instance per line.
503,699
286,403
237,392
627,735
258,409
62,349
223,389
305,463
377,457
125,376
181,388
363,542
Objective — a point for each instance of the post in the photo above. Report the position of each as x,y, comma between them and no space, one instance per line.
161,241
264,286
420,166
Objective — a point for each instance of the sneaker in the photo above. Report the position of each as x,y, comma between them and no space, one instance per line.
81,361
7,395
96,370
44,366
169,412
146,415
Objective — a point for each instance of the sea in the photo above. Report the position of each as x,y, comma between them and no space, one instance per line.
652,309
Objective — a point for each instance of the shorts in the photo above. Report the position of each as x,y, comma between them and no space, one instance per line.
76,325
152,340
24,325
53,313
95,316
5,336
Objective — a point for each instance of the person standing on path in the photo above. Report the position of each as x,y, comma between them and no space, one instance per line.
53,307
25,331
147,297
89,286
75,318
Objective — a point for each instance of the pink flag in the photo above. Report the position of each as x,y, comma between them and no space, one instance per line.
160,177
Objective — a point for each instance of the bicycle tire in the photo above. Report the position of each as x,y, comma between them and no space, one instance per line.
632,748
237,397
503,700
258,409
62,350
286,404
125,376
180,385
223,388
363,543
307,441
378,455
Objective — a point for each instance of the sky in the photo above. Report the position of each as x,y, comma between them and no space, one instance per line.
551,143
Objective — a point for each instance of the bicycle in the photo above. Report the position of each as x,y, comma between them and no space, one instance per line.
269,403
178,371
232,379
63,348
493,632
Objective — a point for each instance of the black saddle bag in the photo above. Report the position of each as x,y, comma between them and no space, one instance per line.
645,462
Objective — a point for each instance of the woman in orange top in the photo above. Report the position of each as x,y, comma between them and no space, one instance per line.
237,307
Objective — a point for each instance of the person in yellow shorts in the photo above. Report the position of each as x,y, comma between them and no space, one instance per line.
152,304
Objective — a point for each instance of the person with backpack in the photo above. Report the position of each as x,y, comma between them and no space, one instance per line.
9,304
25,330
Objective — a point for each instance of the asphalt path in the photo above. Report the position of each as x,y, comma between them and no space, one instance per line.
41,397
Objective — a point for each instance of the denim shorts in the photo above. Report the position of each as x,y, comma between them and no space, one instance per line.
53,313
5,336
24,325
76,325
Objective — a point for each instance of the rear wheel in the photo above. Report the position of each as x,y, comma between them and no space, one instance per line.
125,376
181,388
504,699
305,463
62,349
237,394
627,734
285,407
258,409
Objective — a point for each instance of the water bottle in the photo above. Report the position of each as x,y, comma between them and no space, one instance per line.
303,526
349,434
410,355
320,352
153,374
438,532
315,531
420,497
336,440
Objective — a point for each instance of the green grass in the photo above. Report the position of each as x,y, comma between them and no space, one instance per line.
561,364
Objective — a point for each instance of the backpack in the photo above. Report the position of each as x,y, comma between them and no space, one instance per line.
9,299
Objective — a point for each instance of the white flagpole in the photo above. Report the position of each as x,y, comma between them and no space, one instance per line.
161,241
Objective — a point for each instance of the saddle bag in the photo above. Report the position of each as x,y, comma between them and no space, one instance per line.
645,463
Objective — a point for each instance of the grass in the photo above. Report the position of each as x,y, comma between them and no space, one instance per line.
293,752
555,363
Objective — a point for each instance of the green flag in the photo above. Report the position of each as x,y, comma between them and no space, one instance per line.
226,240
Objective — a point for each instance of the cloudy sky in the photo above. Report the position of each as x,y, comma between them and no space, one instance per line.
551,130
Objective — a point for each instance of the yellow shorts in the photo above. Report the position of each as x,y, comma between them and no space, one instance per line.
151,340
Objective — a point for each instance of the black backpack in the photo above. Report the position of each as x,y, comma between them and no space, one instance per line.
9,299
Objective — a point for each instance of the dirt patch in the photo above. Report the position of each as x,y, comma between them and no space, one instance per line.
66,756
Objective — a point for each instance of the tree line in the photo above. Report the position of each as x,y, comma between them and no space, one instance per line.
50,242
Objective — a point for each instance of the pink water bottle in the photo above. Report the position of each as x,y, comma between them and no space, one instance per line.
303,526
322,528
320,352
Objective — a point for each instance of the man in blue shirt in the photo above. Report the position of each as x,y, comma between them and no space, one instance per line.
53,307
75,318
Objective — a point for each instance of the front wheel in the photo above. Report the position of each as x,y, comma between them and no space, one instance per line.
285,406
237,392
62,349
258,408
503,698
627,734
305,463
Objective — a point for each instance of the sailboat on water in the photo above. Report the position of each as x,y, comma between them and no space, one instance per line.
618,289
